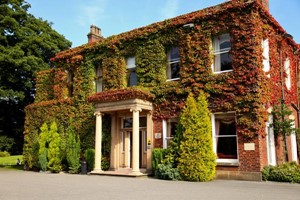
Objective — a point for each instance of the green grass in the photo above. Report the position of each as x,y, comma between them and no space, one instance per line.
11,160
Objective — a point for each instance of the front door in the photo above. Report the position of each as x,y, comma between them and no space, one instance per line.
126,150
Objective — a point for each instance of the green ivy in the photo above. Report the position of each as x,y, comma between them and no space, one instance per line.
151,64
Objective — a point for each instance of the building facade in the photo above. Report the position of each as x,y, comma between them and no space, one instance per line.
235,52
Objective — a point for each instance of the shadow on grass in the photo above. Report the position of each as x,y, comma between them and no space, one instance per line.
12,167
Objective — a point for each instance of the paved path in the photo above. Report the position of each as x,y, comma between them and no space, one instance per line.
19,185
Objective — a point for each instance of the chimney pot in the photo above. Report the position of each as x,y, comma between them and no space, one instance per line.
95,34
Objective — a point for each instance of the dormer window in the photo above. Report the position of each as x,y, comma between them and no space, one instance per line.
222,58
131,72
99,79
173,67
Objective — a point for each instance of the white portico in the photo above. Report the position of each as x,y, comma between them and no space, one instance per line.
131,135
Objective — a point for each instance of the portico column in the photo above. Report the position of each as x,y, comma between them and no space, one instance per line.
135,140
98,143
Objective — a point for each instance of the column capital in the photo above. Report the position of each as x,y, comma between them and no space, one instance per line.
98,113
135,109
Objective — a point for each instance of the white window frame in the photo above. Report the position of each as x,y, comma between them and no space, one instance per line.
214,136
266,56
130,118
172,61
293,142
99,79
287,69
130,66
216,54
271,151
167,131
164,133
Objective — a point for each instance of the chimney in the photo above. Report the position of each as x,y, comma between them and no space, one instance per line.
94,35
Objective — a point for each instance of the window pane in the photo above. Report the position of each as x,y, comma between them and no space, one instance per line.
132,78
221,48
127,122
99,86
173,63
130,62
98,72
226,139
288,73
225,42
143,122
173,126
227,148
174,54
226,63
175,70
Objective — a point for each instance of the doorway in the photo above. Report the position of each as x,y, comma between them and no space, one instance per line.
126,152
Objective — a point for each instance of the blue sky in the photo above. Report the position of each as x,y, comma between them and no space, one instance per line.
72,18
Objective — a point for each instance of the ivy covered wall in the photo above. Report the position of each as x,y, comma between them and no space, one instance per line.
246,90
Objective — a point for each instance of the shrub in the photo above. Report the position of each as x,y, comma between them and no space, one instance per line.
49,148
266,172
4,154
197,160
44,145
167,172
157,156
6,143
73,149
43,162
54,156
63,147
105,163
31,151
89,155
288,172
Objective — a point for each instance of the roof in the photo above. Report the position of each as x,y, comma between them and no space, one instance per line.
178,21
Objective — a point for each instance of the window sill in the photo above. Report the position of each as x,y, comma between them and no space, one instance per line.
226,164
220,72
174,79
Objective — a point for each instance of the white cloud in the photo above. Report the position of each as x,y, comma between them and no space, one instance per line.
170,9
92,12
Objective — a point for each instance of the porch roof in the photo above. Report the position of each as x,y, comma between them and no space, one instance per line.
130,104
122,99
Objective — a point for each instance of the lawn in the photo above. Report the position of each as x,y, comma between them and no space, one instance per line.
10,160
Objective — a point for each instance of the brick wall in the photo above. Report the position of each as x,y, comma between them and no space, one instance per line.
157,128
249,160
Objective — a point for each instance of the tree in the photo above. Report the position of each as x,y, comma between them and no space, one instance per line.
49,151
73,149
282,124
54,157
196,161
6,143
44,141
26,46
